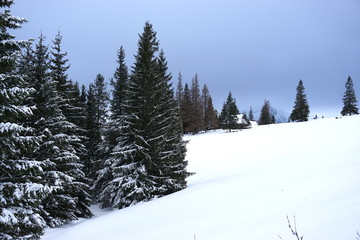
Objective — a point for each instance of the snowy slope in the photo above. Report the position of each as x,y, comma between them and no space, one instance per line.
245,185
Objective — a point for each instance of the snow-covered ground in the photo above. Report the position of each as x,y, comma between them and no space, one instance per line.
245,185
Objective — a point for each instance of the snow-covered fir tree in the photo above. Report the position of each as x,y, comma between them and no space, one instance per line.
112,128
70,200
170,145
301,110
26,59
349,99
97,114
117,106
59,66
68,91
118,83
148,161
21,175
69,94
78,107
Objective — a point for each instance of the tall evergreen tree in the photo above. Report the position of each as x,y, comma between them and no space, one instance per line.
70,114
119,82
26,59
112,128
179,90
97,106
251,114
76,110
39,75
57,146
265,114
228,116
83,95
72,106
197,120
148,161
21,185
213,115
59,66
301,110
69,93
210,116
92,133
205,95
186,110
169,150
349,99
66,171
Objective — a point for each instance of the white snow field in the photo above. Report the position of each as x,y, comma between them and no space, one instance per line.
246,184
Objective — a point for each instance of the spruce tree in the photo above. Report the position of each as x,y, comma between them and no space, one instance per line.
349,99
26,59
70,104
71,111
21,186
69,94
186,110
148,161
204,102
112,128
172,149
57,146
76,111
83,96
251,114
92,130
97,107
301,110
179,90
70,200
59,66
213,115
39,75
210,116
81,119
228,116
119,82
197,119
265,114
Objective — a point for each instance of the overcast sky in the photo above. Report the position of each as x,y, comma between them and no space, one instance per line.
257,49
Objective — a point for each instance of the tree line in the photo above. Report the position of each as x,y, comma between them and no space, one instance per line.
63,147
196,110
228,118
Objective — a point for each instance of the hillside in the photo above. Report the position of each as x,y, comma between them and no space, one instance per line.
245,185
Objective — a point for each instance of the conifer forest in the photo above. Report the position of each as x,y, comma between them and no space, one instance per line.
65,146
